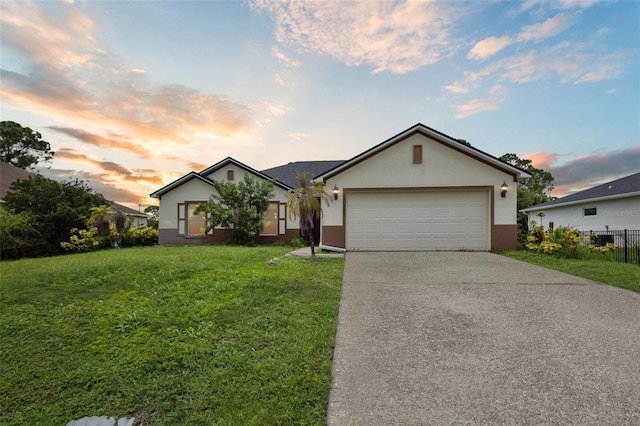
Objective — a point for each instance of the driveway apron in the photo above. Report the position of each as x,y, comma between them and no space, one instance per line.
477,338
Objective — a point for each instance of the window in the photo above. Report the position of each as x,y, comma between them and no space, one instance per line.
417,154
591,211
270,221
229,174
550,226
189,223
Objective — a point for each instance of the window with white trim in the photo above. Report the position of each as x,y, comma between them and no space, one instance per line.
270,221
189,223
590,211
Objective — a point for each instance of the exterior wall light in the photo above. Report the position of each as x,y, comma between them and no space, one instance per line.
503,189
335,192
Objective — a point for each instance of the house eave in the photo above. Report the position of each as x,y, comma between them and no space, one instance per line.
176,183
430,133
237,163
583,201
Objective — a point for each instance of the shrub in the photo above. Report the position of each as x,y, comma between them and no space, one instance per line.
85,240
143,236
564,242
298,242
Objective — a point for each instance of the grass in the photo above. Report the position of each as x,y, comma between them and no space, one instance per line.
181,335
595,267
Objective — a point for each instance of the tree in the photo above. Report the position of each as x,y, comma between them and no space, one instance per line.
18,235
21,146
538,187
154,211
100,218
305,202
241,206
53,208
530,191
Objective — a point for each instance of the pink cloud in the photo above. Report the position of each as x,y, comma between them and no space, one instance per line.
398,37
488,47
69,74
586,170
542,160
112,140
549,28
114,171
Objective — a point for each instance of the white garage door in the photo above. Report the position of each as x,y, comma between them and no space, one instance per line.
426,220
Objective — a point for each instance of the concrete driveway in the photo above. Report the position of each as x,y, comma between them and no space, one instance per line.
476,338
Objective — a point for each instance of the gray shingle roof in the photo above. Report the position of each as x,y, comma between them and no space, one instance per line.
287,173
9,174
619,187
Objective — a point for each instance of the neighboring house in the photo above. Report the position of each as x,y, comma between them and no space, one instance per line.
611,206
9,174
419,190
137,218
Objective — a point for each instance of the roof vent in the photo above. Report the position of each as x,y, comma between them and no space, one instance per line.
610,186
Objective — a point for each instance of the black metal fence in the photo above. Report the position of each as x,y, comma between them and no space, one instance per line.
627,240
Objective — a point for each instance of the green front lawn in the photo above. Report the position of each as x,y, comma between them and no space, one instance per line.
596,267
182,335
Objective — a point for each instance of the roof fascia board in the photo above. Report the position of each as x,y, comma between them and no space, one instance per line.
228,160
176,183
437,137
583,201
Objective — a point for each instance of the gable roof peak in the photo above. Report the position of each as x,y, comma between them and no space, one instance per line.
435,135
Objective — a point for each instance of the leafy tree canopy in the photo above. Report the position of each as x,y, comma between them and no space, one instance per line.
21,146
240,205
154,211
533,190
53,209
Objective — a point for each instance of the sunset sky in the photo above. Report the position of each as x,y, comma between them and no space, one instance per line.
134,94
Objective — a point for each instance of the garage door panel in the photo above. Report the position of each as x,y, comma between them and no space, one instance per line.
428,220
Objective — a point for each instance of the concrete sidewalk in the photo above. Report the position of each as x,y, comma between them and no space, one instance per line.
477,338
306,252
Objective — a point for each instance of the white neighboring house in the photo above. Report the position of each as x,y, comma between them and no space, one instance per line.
138,219
612,206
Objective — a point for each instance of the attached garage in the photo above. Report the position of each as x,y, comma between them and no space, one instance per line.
421,190
418,220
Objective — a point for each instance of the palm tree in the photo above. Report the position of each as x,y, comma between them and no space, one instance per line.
101,218
305,202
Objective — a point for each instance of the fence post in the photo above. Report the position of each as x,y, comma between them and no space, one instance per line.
625,246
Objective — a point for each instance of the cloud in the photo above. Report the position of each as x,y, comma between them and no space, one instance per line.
197,166
283,58
542,160
455,88
549,28
95,180
68,73
113,170
497,96
488,47
111,141
569,62
398,37
587,170
296,136
558,4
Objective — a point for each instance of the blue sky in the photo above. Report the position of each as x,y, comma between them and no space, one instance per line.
132,95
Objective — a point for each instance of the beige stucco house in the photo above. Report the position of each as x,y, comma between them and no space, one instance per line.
419,190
